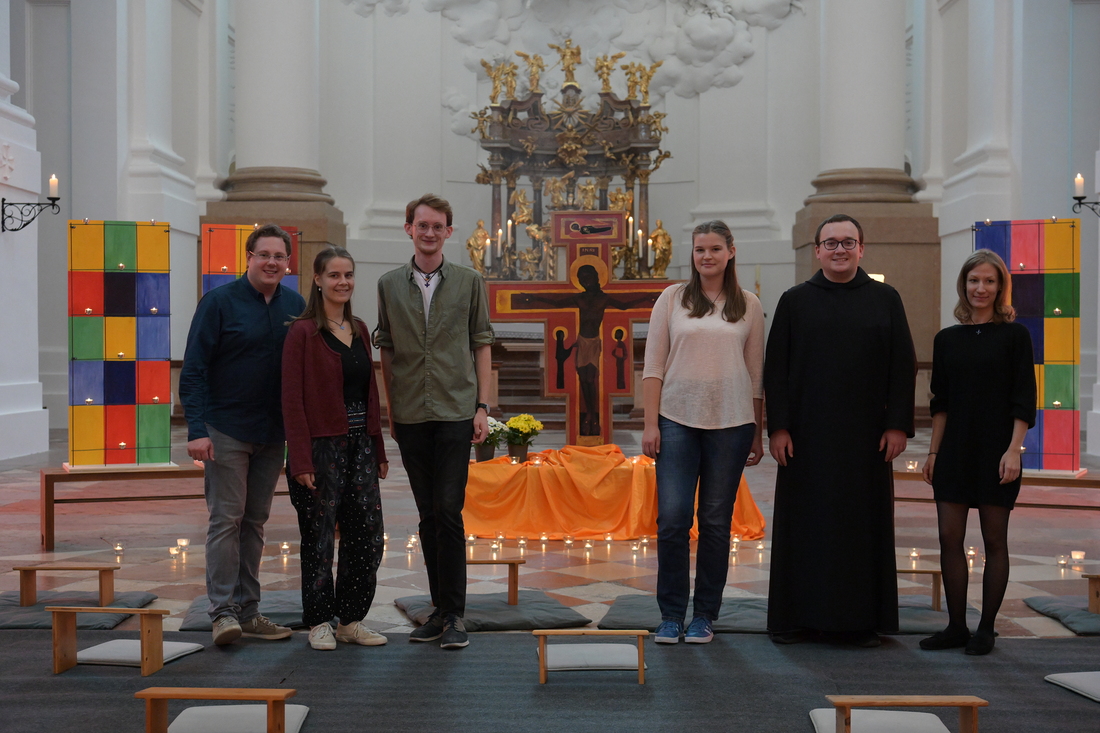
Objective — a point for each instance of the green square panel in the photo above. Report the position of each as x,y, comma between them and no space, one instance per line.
154,426
154,455
1062,290
86,338
119,246
1060,385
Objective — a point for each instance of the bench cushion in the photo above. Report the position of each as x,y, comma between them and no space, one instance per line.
1072,611
127,652
1083,683
560,657
491,612
14,616
234,719
874,721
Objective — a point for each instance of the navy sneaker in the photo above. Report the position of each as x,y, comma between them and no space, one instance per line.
699,631
669,632
430,631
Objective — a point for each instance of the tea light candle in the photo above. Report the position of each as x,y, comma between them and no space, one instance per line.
914,554
471,538
971,553
521,541
608,537
183,543
544,537
514,460
588,544
645,539
1077,554
173,551
500,536
537,460
760,545
568,540
284,548
410,547
1062,560
494,545
118,548
911,465
385,536
634,546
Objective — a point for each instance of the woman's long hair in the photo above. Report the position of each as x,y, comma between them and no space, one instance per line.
1003,312
695,300
315,307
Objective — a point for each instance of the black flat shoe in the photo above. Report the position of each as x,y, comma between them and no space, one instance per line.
946,639
795,636
981,643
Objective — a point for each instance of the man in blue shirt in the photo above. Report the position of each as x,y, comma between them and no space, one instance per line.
230,388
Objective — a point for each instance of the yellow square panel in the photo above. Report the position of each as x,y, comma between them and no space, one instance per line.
1039,382
152,247
1060,250
86,435
120,338
243,233
85,245
1060,340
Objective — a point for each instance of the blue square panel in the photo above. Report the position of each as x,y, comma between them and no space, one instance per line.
152,294
119,383
209,282
290,282
995,236
1034,326
1033,445
85,382
153,339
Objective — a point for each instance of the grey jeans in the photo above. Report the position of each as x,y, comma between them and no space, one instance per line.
240,484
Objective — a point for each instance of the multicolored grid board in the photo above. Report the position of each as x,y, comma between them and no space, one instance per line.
223,254
120,387
1045,258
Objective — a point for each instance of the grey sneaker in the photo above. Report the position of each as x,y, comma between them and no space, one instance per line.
261,627
226,630
454,633
430,631
321,638
357,633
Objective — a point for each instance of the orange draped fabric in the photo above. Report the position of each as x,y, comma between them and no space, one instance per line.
581,491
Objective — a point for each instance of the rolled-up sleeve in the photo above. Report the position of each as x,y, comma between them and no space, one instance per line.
381,337
481,329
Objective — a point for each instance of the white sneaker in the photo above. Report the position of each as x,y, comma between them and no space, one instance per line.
357,633
321,638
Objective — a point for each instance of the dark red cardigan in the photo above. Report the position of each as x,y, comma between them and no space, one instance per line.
313,395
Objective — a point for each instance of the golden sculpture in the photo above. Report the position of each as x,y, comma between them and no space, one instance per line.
644,77
633,72
619,200
535,66
555,189
529,261
662,250
476,245
495,74
508,71
570,57
571,148
522,205
529,145
587,194
604,66
483,119
627,257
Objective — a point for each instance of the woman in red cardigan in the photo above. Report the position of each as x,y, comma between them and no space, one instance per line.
336,455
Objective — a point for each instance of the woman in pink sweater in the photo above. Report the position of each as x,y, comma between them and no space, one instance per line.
336,454
704,396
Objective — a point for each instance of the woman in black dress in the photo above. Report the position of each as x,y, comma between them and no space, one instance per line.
983,386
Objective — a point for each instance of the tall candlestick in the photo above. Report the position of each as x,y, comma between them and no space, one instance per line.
509,232
488,253
630,231
53,186
1078,186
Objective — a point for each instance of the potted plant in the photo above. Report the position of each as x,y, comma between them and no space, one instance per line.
521,432
486,449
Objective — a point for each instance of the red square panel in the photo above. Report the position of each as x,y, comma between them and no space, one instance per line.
154,382
219,250
85,293
121,434
1026,250
1061,439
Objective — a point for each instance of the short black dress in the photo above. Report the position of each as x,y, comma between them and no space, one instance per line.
983,377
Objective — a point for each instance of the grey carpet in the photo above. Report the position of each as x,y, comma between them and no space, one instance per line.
284,607
738,682
14,616
750,615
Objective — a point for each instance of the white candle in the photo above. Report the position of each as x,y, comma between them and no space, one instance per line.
1078,186
509,232
630,231
53,186
183,542
488,253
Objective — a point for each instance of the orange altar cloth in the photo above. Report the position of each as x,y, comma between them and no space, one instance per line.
581,491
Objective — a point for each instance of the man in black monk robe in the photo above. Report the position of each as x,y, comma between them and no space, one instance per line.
839,376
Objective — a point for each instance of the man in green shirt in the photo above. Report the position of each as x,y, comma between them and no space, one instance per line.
434,337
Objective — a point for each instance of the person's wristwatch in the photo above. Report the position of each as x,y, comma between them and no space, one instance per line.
482,405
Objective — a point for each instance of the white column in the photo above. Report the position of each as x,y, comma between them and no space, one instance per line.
1092,417
212,100
24,424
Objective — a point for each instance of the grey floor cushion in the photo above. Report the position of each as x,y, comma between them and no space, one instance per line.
491,612
234,719
591,656
127,652
878,721
1083,683
750,615
14,616
284,607
1072,611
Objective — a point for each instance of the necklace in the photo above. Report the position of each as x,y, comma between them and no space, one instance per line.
339,325
428,275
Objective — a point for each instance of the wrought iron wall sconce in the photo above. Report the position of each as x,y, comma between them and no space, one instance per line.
15,216
1093,206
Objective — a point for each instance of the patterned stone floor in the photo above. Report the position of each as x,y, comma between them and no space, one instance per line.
585,580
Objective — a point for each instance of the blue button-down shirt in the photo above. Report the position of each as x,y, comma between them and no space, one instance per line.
232,367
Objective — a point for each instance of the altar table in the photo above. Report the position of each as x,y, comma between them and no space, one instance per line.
581,491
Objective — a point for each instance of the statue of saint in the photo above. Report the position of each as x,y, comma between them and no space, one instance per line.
508,71
535,66
604,66
632,79
644,77
555,189
570,57
476,245
495,75
662,250
522,205
587,193
620,200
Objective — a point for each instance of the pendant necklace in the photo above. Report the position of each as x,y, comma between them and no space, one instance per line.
339,325
428,275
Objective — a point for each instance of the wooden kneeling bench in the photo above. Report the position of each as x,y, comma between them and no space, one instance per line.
937,578
967,704
543,633
156,703
1094,592
64,635
513,564
28,580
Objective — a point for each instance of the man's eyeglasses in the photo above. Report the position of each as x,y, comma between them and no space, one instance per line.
280,258
424,228
832,244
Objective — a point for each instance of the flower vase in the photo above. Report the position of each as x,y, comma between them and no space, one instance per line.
484,452
518,451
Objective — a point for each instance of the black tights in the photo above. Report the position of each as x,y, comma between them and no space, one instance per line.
994,520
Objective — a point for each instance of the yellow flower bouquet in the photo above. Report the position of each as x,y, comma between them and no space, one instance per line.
522,430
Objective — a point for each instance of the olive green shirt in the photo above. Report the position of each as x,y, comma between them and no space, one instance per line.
432,376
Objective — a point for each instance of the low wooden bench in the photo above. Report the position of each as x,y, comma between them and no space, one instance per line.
513,564
156,703
64,635
1094,592
937,583
967,704
543,633
28,580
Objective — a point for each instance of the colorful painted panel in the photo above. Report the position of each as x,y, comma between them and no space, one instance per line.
119,343
224,256
1045,259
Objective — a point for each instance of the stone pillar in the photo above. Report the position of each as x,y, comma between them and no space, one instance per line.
603,182
643,222
1092,417
278,126
862,159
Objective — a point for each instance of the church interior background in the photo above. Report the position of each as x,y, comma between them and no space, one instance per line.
919,117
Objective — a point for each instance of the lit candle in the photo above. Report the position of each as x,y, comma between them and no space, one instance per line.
568,540
410,547
500,236
630,231
471,538
544,537
588,544
645,539
1077,554
385,536
608,537
911,465
914,554
183,543
760,545
971,552
1078,186
284,548
174,551
509,232
634,547
521,541
652,253
1063,560
494,545
118,548
413,539
53,186
488,260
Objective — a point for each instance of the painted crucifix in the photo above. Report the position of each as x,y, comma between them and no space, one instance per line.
581,317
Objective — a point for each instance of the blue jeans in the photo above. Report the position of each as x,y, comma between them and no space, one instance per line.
713,460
